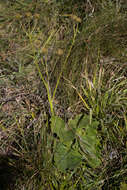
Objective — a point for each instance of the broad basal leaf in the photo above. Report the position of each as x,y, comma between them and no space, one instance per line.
65,134
73,122
57,126
89,142
66,158
68,137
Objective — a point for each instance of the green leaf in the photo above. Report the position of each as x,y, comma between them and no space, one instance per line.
57,126
89,141
68,137
73,122
85,121
65,134
66,158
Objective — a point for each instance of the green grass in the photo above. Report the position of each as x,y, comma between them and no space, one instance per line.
63,95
